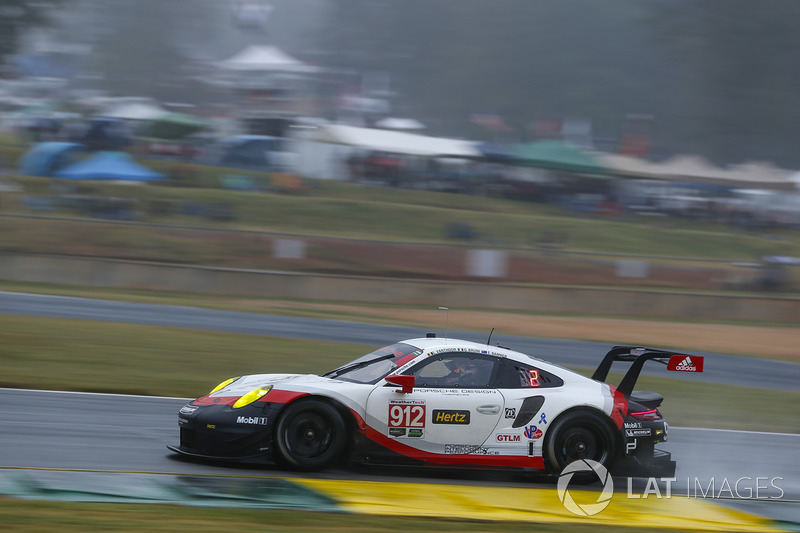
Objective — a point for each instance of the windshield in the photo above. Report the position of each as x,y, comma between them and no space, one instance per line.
375,365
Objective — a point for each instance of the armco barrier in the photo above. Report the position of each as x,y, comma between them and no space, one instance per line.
99,272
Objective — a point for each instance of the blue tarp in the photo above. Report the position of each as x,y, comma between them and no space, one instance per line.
46,158
109,166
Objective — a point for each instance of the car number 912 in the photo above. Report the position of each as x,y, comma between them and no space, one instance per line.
406,416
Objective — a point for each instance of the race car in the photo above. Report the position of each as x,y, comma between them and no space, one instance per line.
438,401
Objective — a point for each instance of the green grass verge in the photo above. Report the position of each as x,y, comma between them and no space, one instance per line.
349,210
46,517
62,354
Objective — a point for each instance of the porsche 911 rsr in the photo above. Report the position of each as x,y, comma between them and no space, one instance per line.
438,401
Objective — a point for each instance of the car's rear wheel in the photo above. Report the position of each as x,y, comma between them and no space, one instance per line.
576,436
310,435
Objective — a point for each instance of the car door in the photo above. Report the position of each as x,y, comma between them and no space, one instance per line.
453,408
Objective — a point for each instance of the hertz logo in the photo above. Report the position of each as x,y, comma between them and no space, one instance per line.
443,416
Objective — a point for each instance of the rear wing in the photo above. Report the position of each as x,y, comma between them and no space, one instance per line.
675,362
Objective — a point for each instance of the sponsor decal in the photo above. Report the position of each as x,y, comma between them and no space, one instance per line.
466,350
460,449
407,414
511,412
644,432
632,425
187,410
397,432
445,416
182,420
685,363
416,433
532,432
504,437
211,426
258,420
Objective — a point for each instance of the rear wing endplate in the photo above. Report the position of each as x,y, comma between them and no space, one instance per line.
639,355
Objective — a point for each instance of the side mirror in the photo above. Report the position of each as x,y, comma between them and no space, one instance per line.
406,382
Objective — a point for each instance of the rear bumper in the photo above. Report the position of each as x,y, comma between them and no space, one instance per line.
659,465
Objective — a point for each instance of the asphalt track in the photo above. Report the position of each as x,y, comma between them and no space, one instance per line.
119,433
720,368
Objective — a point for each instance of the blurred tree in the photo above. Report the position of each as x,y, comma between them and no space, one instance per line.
143,46
16,17
517,58
720,77
742,57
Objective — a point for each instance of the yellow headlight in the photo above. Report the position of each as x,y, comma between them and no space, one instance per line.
251,396
223,384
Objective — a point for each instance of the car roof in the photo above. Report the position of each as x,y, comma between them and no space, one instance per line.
435,344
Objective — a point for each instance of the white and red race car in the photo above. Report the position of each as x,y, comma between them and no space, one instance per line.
437,401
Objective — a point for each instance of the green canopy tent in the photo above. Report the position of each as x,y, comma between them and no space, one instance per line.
175,126
557,155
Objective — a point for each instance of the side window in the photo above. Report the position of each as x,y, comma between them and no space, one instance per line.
461,370
514,375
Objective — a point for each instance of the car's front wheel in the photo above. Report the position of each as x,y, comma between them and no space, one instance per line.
576,436
310,435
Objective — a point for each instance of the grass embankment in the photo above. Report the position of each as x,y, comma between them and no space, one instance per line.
44,353
349,210
46,517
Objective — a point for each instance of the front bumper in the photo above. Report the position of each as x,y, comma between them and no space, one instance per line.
220,432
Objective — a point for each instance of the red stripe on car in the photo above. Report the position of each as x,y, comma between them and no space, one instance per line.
517,461
620,408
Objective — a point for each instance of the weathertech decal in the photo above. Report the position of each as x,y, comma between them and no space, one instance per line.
444,416
685,363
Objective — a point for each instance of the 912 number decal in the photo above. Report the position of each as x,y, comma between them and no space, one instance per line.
407,414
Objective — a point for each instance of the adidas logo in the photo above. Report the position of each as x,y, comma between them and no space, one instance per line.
687,365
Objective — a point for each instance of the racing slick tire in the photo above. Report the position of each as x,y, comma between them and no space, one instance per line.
310,435
579,435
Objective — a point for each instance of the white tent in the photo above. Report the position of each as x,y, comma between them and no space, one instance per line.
134,111
397,123
395,142
761,175
625,165
257,58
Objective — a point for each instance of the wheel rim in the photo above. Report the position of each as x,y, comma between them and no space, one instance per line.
308,436
582,443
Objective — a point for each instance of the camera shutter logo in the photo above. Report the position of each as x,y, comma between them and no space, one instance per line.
587,509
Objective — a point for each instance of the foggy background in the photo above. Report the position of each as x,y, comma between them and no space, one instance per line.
717,78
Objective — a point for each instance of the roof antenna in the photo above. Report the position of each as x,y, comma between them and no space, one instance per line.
446,318
490,337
